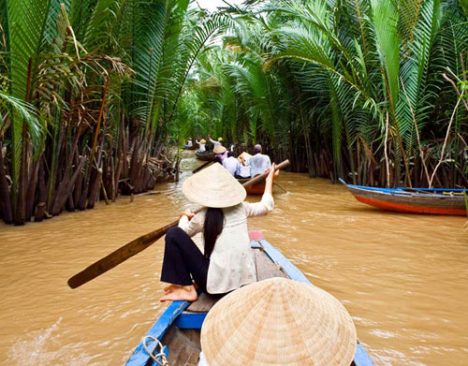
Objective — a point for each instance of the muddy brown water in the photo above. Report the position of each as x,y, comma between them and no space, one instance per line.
403,278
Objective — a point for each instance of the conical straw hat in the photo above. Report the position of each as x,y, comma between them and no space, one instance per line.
219,149
214,187
244,156
278,322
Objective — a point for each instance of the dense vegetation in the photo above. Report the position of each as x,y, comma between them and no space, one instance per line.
373,91
91,91
86,89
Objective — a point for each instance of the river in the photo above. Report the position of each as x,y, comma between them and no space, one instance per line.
403,278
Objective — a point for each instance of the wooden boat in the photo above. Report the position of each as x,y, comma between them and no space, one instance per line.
205,156
436,201
255,189
178,328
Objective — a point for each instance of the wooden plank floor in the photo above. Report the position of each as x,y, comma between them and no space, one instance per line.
265,269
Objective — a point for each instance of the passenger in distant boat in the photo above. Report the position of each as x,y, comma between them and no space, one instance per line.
214,142
230,163
259,162
243,169
278,322
201,145
189,144
225,262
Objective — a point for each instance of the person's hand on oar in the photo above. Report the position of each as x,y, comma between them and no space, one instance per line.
187,212
272,173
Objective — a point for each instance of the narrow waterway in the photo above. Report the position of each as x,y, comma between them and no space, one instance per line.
403,278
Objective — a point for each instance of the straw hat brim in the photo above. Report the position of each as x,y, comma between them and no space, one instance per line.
279,322
214,187
244,156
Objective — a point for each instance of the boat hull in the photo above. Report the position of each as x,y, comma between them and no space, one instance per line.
409,200
254,189
205,156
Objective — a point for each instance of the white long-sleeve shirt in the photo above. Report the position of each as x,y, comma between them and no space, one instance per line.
243,170
258,164
214,142
231,164
231,263
201,147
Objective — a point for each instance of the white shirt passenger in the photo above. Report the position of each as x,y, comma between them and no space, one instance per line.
259,163
232,263
231,164
202,147
214,142
243,170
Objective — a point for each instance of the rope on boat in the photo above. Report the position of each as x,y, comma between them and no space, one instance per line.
160,357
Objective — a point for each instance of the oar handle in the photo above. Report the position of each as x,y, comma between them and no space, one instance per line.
262,177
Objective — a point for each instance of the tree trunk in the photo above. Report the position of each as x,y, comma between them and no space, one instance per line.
20,211
31,196
42,194
5,203
65,189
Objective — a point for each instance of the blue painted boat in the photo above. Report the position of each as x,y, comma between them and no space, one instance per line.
435,201
178,328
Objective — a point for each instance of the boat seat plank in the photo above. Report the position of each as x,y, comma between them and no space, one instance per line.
203,304
265,267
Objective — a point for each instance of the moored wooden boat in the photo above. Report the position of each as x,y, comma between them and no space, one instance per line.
205,156
254,189
436,201
178,328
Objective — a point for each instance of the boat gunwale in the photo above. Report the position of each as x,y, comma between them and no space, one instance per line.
405,191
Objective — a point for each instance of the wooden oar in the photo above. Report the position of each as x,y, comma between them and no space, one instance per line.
136,246
202,166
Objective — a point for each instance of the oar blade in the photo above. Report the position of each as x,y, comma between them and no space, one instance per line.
116,257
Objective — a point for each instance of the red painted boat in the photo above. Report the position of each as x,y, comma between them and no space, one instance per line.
254,189
434,201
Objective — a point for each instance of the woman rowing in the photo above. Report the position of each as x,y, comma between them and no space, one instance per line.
226,262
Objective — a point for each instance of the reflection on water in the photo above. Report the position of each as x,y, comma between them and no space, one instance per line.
402,277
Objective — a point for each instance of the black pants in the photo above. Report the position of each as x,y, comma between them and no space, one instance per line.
183,261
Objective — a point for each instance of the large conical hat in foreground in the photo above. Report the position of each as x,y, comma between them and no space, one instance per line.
214,187
278,322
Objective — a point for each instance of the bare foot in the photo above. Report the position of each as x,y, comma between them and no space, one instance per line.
186,293
171,288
